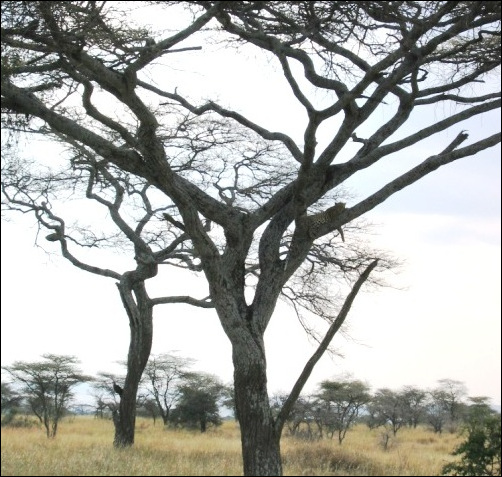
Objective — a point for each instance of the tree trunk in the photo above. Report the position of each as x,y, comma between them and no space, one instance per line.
165,419
140,345
125,420
260,432
260,442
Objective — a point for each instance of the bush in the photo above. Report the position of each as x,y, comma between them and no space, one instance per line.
480,452
13,419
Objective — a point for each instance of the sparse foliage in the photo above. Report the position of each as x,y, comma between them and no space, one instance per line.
304,418
387,409
106,399
451,394
444,405
162,378
339,405
414,400
48,386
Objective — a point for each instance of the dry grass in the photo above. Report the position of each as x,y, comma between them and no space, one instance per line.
411,452
83,447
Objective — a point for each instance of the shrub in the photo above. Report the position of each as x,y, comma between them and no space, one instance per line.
480,452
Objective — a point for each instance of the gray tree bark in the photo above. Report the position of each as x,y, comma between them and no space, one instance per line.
259,438
140,312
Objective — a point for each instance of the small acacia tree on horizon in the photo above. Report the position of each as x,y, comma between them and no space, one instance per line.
161,380
339,403
48,386
192,182
198,404
107,401
11,402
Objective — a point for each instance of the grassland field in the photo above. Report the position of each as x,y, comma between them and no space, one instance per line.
83,446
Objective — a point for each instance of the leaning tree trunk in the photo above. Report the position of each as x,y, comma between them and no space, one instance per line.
260,442
141,324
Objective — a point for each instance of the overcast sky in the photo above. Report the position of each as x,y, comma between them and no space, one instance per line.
440,320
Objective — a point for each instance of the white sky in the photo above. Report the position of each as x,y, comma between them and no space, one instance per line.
442,319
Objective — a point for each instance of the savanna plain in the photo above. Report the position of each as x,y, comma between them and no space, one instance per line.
83,446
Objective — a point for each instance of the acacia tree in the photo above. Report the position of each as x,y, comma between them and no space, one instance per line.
162,377
197,407
105,396
11,401
128,198
341,403
451,394
48,386
303,419
444,405
112,191
414,404
387,409
273,203
436,413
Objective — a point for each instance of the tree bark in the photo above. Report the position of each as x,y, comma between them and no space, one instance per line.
260,441
139,349
141,324
165,418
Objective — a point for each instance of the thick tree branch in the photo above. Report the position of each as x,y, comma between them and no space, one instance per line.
415,174
364,158
200,303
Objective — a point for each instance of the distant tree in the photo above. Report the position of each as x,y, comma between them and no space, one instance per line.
198,403
227,400
162,377
107,401
11,401
149,408
445,406
100,407
452,394
340,403
304,419
48,386
436,412
481,451
372,418
413,400
477,412
387,409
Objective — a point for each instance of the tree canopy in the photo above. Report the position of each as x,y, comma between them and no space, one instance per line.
48,386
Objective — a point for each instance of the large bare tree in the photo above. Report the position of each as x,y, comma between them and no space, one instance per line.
257,213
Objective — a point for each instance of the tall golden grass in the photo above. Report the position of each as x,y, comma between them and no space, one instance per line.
83,446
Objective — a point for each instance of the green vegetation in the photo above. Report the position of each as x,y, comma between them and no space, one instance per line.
480,452
47,387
